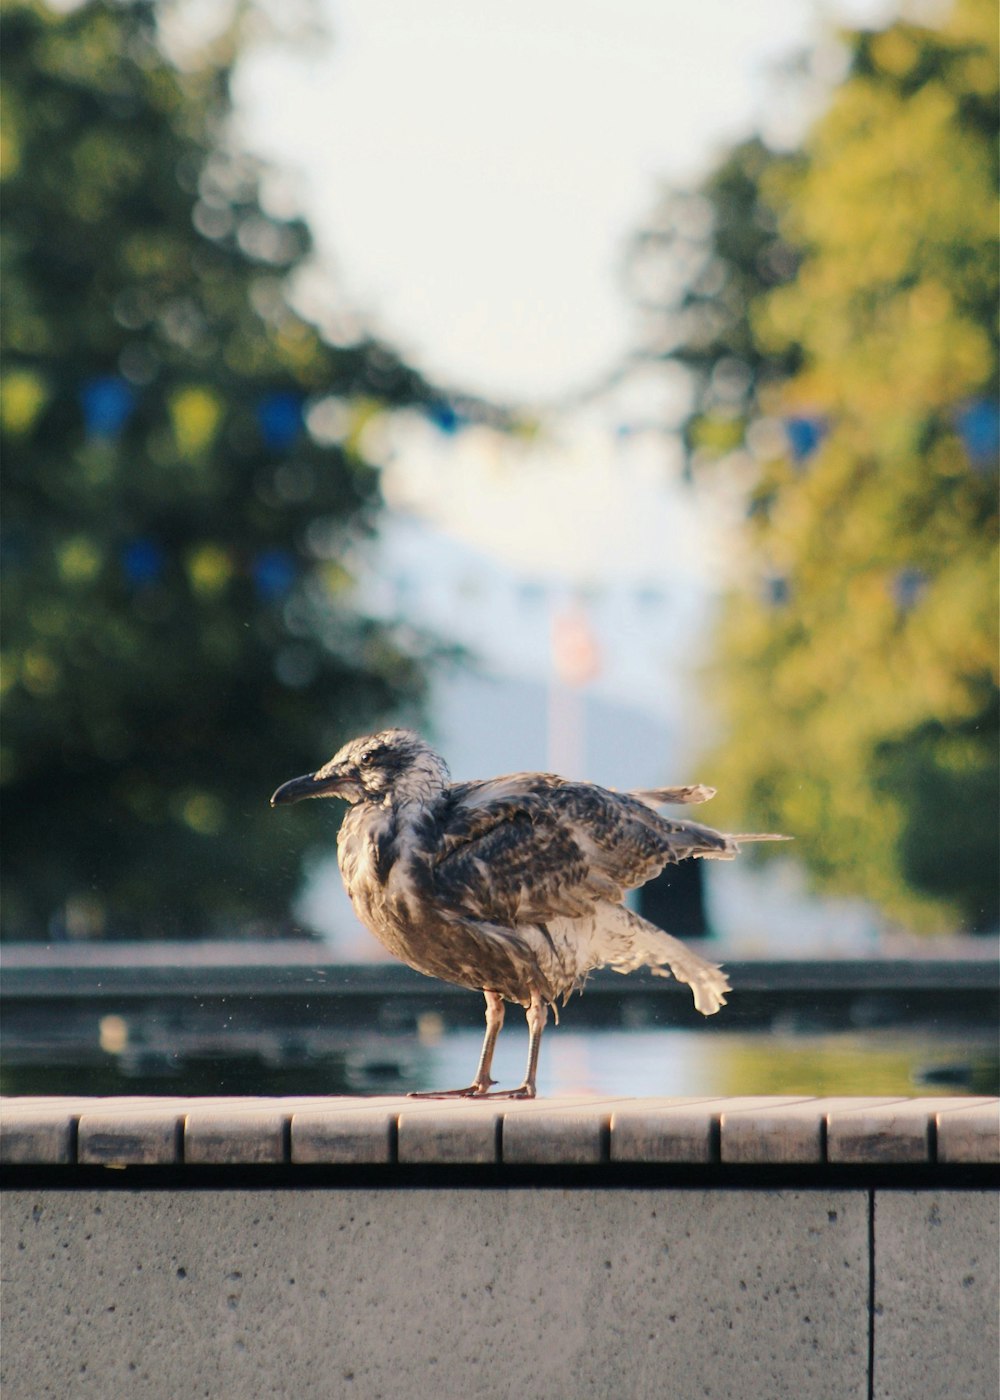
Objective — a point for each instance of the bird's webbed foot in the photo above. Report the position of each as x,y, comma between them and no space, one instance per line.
472,1091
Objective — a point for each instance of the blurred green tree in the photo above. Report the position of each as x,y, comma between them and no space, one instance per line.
694,272
840,332
184,463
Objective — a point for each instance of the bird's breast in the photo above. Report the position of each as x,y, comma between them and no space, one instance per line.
378,872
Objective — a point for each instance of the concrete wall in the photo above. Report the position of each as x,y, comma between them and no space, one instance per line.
752,1294
936,1295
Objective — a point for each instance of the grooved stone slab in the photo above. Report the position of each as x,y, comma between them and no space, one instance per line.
665,1130
355,1131
536,1133
581,1130
969,1134
895,1132
139,1136
244,1131
253,1135
936,1284
31,1135
313,1293
463,1132
777,1131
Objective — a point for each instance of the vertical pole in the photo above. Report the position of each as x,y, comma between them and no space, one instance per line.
566,730
575,662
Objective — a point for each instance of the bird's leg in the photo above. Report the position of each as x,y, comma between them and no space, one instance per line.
494,1025
482,1081
536,1014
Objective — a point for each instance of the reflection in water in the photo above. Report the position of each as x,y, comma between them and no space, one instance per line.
632,1062
686,1062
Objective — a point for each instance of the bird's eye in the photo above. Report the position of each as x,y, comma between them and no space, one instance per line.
367,759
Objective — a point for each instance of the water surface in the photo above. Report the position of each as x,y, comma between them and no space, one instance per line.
647,1061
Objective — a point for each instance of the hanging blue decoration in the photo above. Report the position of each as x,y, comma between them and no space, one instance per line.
978,424
908,587
777,591
142,562
804,436
279,417
273,574
108,402
445,417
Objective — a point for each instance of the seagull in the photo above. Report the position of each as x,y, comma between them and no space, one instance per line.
512,886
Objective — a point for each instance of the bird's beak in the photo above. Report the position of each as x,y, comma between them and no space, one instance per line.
311,785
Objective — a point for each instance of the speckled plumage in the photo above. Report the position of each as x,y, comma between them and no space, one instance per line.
511,886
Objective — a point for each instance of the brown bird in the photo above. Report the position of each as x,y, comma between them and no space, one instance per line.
512,886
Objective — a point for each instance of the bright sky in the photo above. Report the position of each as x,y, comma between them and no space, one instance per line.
474,171
472,174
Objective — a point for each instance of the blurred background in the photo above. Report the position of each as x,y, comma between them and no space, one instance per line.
609,389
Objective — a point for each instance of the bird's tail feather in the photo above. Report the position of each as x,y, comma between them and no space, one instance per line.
631,942
732,847
665,797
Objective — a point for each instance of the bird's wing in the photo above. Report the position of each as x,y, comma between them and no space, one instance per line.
530,847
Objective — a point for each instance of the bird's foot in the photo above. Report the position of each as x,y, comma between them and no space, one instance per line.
472,1091
523,1091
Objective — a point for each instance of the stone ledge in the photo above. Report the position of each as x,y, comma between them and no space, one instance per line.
566,1131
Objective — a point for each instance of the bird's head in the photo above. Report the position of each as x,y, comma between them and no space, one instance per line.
395,765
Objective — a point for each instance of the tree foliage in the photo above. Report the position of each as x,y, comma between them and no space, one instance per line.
705,256
851,296
184,465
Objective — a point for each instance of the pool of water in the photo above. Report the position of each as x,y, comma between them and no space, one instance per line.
645,1061
666,1062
